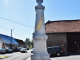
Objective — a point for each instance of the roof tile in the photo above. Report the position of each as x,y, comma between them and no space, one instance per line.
63,26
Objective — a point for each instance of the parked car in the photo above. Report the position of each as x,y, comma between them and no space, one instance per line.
8,50
32,50
55,50
2,50
19,48
27,48
23,50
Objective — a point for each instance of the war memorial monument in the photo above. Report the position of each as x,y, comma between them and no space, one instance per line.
39,38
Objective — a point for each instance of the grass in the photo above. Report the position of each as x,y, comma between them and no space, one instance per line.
3,57
6,56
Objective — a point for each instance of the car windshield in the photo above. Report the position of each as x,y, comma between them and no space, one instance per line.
2,49
19,48
49,49
9,49
23,49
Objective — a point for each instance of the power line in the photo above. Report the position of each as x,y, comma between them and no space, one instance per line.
9,29
4,27
16,34
15,22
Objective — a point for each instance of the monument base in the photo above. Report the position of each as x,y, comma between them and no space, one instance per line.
40,57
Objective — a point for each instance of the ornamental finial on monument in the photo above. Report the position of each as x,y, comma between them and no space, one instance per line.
39,1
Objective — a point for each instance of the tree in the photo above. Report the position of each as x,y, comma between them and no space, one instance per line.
27,42
31,44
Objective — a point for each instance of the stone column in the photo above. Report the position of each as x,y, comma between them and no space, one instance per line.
40,49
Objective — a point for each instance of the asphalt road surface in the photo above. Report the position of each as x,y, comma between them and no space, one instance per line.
17,56
71,57
24,56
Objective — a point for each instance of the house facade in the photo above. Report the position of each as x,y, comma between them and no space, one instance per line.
65,34
1,42
5,42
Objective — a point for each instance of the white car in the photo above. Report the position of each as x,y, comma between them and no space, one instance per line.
23,50
32,50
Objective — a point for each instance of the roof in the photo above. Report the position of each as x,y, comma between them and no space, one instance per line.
7,39
62,26
20,41
1,41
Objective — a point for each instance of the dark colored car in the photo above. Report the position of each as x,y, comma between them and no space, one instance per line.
55,50
8,50
2,50
18,48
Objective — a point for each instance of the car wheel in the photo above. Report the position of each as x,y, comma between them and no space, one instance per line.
31,51
58,54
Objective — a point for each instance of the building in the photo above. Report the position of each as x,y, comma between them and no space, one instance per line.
10,42
6,42
1,42
65,34
21,43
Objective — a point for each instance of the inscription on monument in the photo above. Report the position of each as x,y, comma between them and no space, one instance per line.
39,22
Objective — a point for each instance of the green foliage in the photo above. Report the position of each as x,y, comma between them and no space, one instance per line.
29,43
4,57
31,47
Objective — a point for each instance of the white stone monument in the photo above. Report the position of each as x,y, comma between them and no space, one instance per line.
40,48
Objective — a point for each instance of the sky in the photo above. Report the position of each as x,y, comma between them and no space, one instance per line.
19,15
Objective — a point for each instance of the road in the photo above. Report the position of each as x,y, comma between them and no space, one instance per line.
17,56
24,56
71,57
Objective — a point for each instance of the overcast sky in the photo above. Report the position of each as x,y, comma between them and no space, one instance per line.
19,15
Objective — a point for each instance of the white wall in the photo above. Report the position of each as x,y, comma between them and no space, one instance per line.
0,45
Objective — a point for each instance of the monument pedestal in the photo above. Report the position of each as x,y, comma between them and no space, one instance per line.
40,49
40,57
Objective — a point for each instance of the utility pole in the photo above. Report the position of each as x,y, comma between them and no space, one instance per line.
11,40
11,37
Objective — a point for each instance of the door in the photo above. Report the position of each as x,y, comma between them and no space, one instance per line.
73,42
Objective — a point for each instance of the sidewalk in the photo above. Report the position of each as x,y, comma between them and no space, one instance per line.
30,58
